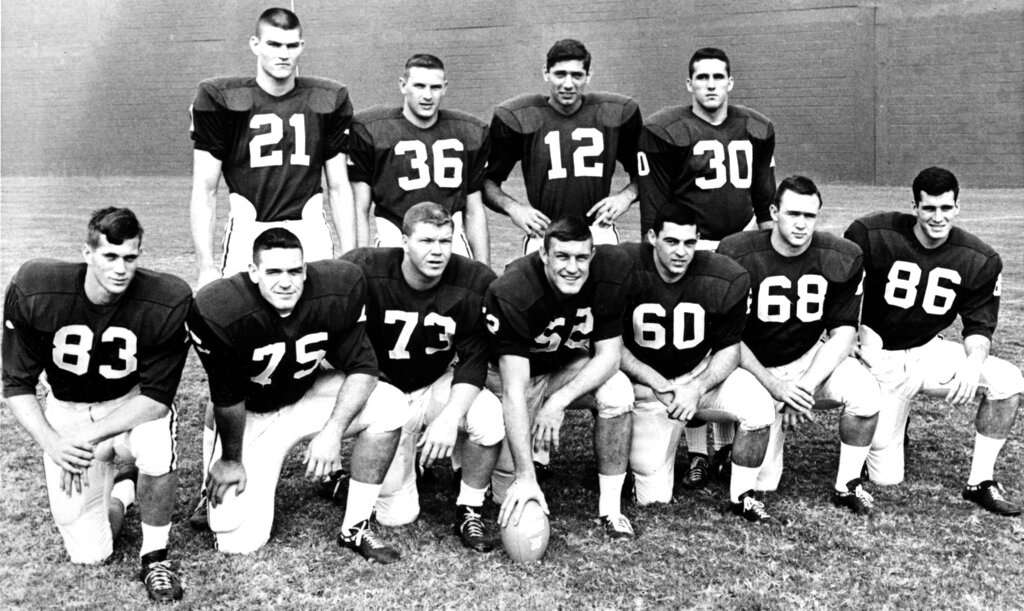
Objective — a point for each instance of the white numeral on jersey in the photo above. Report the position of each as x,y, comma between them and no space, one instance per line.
643,168
447,170
717,163
257,159
303,355
687,325
810,291
409,320
579,156
73,356
549,340
903,280
276,352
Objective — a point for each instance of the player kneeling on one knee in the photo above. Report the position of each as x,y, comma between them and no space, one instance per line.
683,326
805,283
556,320
111,338
424,318
263,337
920,272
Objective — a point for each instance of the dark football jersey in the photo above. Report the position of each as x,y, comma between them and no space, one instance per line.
252,354
405,164
417,334
272,149
568,161
793,300
92,352
725,172
911,293
672,327
527,318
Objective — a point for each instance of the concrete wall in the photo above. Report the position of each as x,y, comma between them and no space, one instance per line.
860,91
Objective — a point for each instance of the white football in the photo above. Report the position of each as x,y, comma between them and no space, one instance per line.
528,541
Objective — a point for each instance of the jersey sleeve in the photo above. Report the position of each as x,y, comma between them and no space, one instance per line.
762,188
361,154
629,141
728,329
979,309
211,125
506,150
24,354
842,305
160,367
659,163
473,349
228,383
508,327
338,125
354,353
478,165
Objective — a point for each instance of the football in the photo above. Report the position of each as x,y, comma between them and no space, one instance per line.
528,541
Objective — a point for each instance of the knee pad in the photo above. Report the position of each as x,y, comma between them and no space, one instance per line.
655,487
154,445
485,421
386,410
399,508
614,397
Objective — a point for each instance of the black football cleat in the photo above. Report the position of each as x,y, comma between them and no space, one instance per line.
617,527
161,577
469,525
699,473
334,487
362,541
721,464
750,509
855,498
543,473
200,518
989,494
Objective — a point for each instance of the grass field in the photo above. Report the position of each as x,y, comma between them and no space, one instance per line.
927,549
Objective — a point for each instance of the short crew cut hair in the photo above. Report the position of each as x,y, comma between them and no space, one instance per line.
568,49
797,184
424,60
117,224
678,215
426,212
275,237
935,181
278,18
568,229
710,53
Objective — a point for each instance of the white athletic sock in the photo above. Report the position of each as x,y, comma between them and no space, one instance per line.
986,450
697,439
722,434
608,504
359,504
154,538
743,479
470,496
851,461
124,491
209,439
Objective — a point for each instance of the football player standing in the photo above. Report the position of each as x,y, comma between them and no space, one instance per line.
921,271
556,318
717,159
262,337
568,144
805,283
424,317
420,152
682,332
272,137
111,338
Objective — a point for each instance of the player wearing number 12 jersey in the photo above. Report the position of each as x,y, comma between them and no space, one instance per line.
920,273
111,338
424,317
262,337
568,144
403,156
805,283
272,137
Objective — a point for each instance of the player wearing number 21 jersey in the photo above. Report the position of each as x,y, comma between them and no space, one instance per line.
682,333
711,156
111,338
272,137
920,273
425,321
805,283
417,153
262,338
568,144
556,320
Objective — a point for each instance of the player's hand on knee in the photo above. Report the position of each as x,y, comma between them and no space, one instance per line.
438,441
323,456
223,475
529,219
521,492
964,384
545,428
684,402
792,393
70,453
793,417
71,482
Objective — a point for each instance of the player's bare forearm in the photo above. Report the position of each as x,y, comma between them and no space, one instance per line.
749,362
354,393
230,421
640,372
475,222
515,375
594,373
459,400
968,376
495,198
721,364
137,410
830,355
362,196
203,209
340,199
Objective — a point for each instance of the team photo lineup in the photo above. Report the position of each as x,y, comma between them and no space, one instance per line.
356,310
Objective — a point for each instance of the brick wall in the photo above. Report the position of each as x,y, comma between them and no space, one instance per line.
860,91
